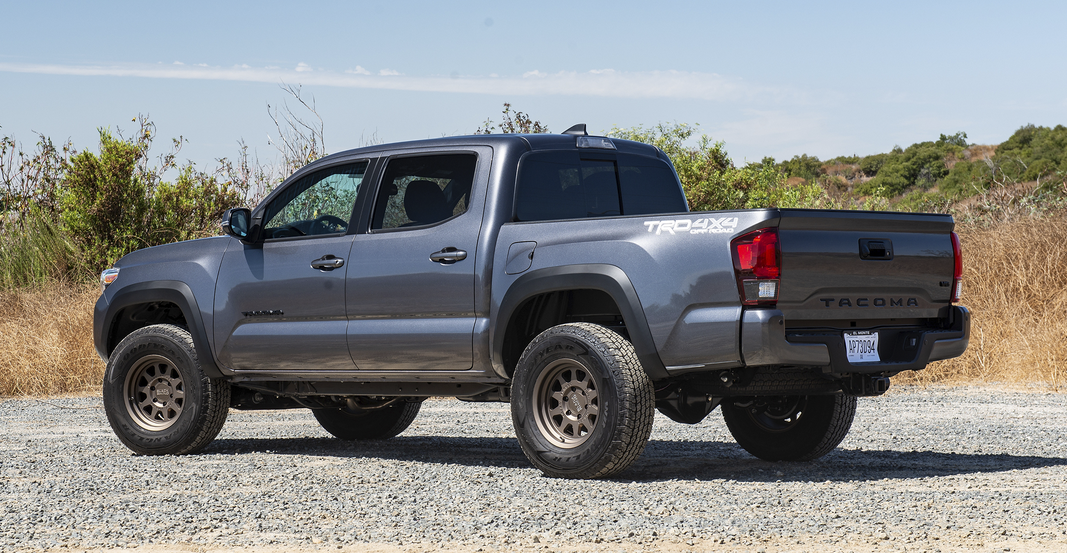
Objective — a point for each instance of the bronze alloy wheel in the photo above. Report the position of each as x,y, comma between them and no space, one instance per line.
567,403
581,403
156,396
779,415
155,393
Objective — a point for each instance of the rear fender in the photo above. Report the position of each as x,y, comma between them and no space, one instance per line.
606,278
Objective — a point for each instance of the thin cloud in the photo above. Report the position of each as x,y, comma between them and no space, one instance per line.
598,83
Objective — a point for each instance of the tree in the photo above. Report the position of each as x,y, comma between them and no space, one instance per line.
520,123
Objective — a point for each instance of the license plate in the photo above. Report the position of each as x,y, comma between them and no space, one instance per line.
862,346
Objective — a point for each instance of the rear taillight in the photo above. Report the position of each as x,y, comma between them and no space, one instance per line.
757,266
957,269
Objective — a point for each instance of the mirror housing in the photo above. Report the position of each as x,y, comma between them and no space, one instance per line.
236,222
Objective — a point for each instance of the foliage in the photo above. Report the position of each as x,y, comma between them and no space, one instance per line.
710,179
68,214
105,199
300,141
804,166
872,164
1031,154
30,182
519,123
36,251
189,207
921,165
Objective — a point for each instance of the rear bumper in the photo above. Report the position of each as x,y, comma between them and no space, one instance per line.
765,341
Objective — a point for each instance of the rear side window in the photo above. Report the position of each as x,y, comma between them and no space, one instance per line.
423,190
562,185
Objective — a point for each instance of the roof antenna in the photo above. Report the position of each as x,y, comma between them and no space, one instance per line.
577,130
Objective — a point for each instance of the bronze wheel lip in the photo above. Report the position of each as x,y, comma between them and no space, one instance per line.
566,406
154,391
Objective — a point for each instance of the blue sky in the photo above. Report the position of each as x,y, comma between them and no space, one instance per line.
767,78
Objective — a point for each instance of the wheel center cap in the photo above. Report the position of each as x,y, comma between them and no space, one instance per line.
162,389
577,403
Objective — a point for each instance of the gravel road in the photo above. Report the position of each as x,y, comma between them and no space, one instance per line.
936,469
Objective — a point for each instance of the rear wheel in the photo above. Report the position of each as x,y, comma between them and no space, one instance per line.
157,398
368,424
790,428
581,403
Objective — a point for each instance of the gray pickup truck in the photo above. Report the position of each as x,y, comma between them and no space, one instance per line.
561,273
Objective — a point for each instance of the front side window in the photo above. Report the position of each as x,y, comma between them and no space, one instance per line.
318,204
423,190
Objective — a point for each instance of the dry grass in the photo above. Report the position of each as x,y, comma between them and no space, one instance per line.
1015,282
46,340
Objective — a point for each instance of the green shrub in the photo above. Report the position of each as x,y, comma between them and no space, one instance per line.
920,201
804,166
921,165
105,200
34,251
967,178
870,165
188,208
712,182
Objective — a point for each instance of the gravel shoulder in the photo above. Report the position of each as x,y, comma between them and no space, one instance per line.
924,469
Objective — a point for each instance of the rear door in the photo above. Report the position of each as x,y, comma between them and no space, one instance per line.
410,283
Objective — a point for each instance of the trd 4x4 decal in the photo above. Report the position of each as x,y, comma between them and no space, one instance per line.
705,225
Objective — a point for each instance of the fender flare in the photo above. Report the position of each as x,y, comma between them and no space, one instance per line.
603,277
173,291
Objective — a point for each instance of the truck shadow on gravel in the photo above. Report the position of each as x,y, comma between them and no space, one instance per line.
662,460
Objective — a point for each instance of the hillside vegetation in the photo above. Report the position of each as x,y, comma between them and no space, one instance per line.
67,213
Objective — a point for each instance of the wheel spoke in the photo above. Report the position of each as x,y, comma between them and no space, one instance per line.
155,393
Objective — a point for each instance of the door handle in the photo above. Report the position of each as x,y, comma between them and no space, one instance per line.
328,263
448,255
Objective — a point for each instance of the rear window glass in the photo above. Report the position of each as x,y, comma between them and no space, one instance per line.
562,185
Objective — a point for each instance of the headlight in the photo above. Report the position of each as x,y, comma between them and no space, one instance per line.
108,276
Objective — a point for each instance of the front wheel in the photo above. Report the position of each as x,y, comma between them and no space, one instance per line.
790,428
581,403
157,398
371,424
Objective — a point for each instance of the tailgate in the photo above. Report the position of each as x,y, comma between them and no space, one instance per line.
854,265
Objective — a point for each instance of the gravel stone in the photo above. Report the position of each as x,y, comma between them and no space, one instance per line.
924,469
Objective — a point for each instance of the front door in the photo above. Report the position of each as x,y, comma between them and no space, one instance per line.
280,303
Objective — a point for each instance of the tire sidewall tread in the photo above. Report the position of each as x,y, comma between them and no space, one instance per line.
826,422
207,400
377,424
626,409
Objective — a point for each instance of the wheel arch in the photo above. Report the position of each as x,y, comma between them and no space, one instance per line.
603,283
147,303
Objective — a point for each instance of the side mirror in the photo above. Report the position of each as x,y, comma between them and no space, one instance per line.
236,222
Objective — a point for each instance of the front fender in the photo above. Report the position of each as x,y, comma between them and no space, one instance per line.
173,291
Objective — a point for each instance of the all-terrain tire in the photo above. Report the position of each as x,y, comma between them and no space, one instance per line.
581,403
372,424
156,396
793,428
